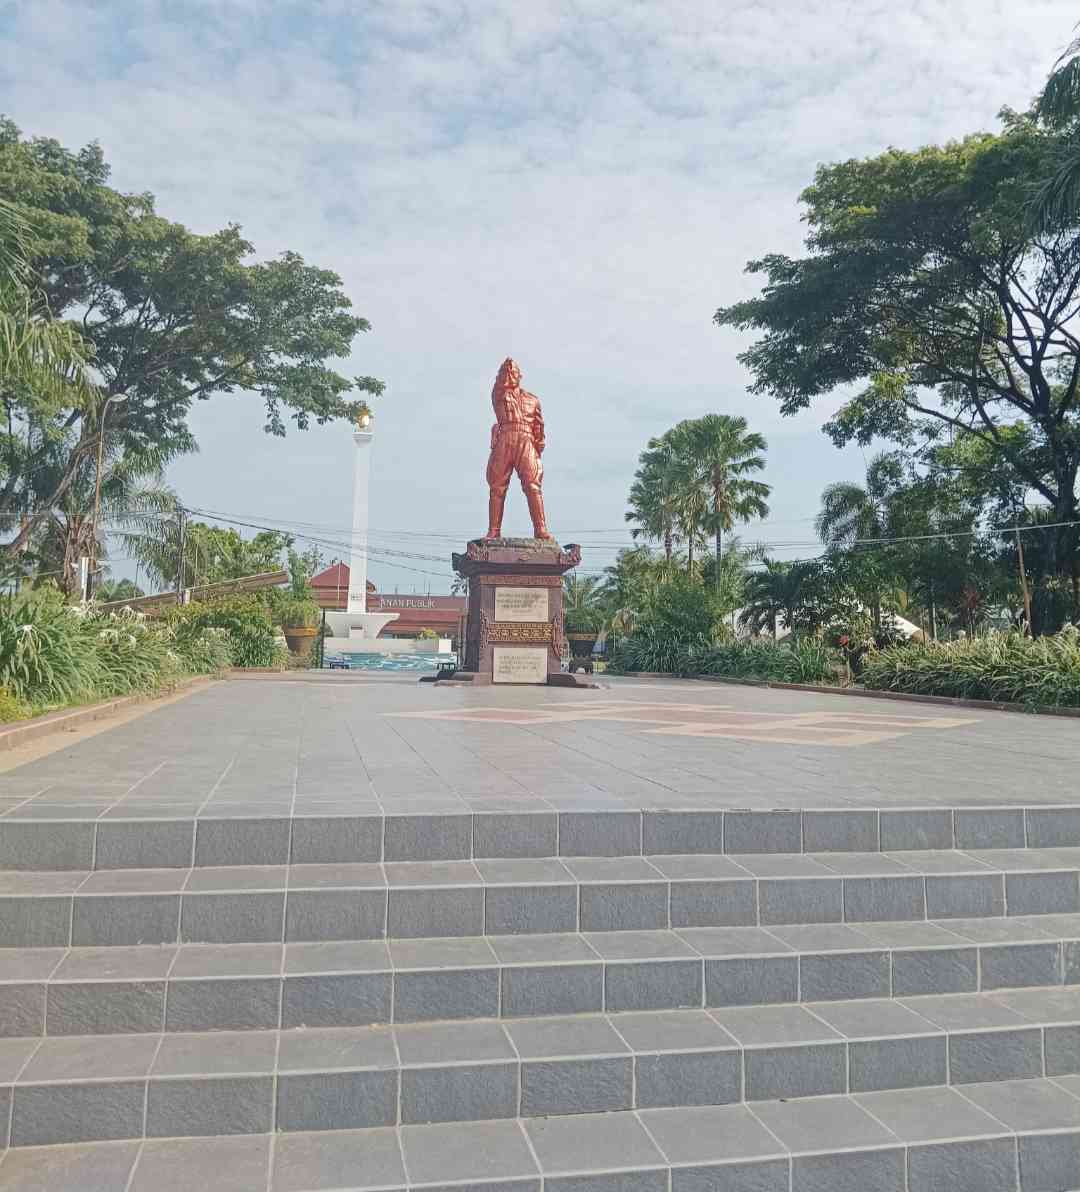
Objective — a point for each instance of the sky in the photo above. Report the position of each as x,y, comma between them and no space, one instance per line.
575,183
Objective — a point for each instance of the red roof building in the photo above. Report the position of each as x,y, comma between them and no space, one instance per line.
442,614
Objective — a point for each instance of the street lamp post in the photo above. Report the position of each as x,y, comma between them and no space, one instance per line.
117,398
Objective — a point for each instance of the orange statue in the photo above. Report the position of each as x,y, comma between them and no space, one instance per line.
517,442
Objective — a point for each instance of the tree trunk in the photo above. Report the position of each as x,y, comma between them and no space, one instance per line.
668,544
33,520
690,555
719,553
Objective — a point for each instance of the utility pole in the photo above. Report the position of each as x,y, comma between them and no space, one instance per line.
180,556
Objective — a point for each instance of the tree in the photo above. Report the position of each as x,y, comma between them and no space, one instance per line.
776,594
172,317
724,453
40,360
1056,199
583,604
654,497
924,286
117,589
212,554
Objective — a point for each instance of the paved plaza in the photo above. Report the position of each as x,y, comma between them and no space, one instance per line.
336,744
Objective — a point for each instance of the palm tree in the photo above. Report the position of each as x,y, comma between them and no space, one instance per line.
654,496
1055,202
582,602
779,592
46,357
723,454
851,512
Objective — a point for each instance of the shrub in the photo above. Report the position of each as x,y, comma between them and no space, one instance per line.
11,708
805,661
297,613
204,653
1044,672
250,635
48,654
679,622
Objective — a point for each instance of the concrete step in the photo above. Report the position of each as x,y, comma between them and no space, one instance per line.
195,987
54,831
409,900
92,1088
1019,1137
1007,1137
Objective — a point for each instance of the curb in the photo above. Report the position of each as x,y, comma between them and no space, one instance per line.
948,701
22,732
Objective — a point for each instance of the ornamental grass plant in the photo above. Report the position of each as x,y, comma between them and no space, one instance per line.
1043,672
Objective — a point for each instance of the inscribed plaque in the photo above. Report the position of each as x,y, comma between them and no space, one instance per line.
519,664
521,604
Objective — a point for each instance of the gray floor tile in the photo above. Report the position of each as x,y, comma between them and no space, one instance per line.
432,873
770,1025
925,1115
148,963
13,1056
108,1057
710,1134
311,1162
782,865
441,953
228,1164
343,1047
29,964
698,866
822,937
227,960
822,1123
542,949
524,872
871,1018
100,1166
466,1152
218,1053
135,881
612,869
237,877
337,956
997,931
591,1143
732,941
638,945
673,1030
1042,1005
909,935
337,876
442,1042
964,1011
1026,1104
541,1038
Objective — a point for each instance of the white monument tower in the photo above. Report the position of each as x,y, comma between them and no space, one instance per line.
356,622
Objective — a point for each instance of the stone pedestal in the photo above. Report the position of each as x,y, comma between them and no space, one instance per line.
514,624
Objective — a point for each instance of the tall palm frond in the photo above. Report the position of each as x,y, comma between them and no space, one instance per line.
1055,201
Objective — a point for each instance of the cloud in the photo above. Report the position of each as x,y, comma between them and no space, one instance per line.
578,182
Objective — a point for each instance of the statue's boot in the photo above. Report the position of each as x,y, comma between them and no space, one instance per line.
536,511
496,503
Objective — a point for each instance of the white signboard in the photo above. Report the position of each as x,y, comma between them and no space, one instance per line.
521,604
519,664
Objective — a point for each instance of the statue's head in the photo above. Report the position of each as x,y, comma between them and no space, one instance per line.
509,375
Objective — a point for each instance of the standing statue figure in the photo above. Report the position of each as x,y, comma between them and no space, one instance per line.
517,442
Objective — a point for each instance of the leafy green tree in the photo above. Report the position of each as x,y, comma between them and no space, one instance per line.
117,589
1056,201
172,318
654,496
583,603
924,287
212,554
724,453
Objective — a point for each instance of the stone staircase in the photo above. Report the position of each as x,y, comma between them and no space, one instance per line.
610,1001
